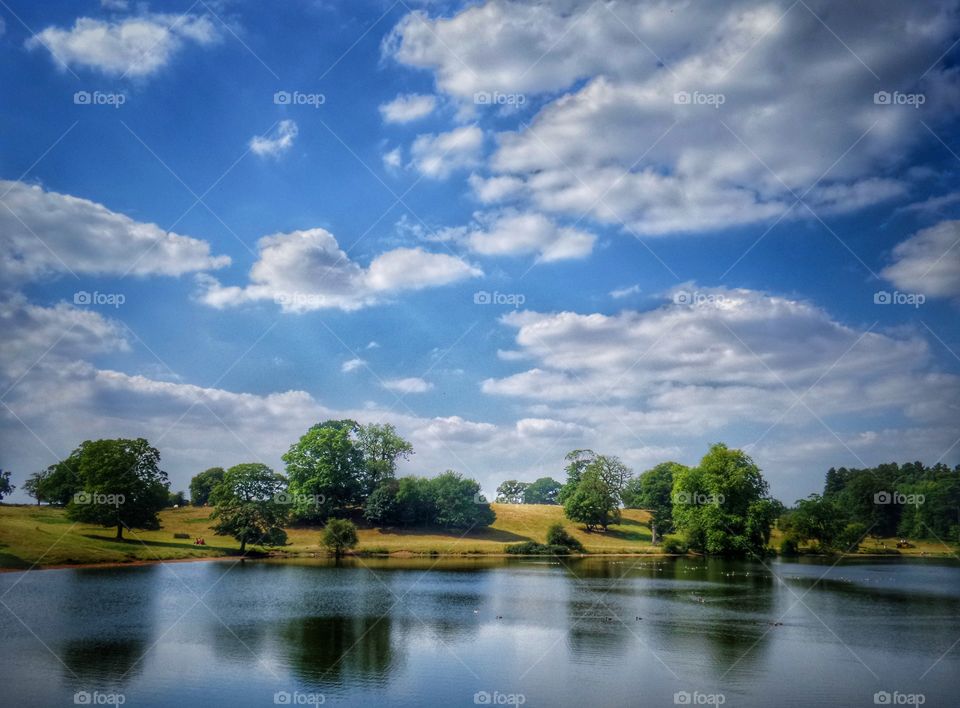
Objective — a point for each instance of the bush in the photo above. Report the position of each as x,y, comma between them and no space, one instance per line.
557,535
339,535
532,548
788,547
674,546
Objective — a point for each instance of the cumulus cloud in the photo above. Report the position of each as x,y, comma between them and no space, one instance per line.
307,270
47,233
278,142
352,365
408,385
439,155
134,46
393,159
512,233
408,107
928,262
667,135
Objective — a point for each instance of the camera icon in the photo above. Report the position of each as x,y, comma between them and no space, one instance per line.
82,698
282,98
82,98
82,498
82,297
882,98
882,297
882,698
682,698
482,297
282,698
882,498
682,297
482,98
480,498
681,98
682,498
482,698
283,498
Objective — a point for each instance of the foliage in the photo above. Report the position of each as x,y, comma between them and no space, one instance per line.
592,494
202,485
34,485
60,481
532,548
512,492
557,535
653,491
447,500
459,502
721,506
326,470
542,491
5,486
177,498
381,448
339,535
121,484
249,505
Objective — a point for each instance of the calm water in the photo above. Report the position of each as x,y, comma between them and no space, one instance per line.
427,633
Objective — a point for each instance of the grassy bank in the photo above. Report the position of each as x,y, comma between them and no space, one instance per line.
44,535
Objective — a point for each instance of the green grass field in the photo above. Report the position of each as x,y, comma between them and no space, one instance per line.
44,536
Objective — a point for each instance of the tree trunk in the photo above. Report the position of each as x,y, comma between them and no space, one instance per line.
653,533
243,545
119,532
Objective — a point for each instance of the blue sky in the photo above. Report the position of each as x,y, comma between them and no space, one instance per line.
688,221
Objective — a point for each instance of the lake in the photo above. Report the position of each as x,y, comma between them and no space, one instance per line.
463,632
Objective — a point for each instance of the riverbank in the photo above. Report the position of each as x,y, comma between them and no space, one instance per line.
43,537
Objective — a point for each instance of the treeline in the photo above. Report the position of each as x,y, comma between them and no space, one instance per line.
908,501
337,469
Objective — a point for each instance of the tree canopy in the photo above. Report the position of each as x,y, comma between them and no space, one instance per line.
249,505
202,485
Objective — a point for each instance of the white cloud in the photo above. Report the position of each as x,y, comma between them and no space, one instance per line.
408,385
278,142
408,107
114,4
393,159
46,233
616,146
307,270
928,262
135,46
625,292
511,233
439,155
352,365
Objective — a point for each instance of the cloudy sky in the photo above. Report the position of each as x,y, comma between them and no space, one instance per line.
512,229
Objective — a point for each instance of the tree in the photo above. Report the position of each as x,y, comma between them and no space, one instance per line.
249,506
722,506
326,470
653,491
202,485
121,485
34,485
60,481
459,503
542,491
339,536
816,518
577,462
511,492
382,448
557,535
5,486
177,499
593,503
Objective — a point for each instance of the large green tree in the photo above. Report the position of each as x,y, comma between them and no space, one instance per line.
542,491
382,449
121,485
326,470
511,491
249,505
722,506
593,503
60,480
202,485
459,502
653,491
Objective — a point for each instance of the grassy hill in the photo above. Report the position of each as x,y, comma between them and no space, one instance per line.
44,535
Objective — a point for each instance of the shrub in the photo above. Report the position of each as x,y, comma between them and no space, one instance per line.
557,535
788,547
339,535
674,546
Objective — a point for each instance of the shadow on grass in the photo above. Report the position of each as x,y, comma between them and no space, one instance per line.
629,530
8,560
484,534
138,542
